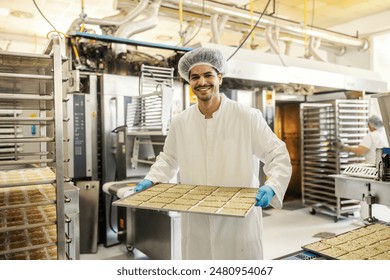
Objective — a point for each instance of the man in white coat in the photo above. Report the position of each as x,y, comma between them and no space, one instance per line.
219,142
375,138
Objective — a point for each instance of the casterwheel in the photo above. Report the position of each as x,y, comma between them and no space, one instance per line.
130,248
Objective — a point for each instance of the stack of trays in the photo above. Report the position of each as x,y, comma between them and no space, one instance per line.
228,201
26,176
45,253
28,215
27,196
366,243
38,243
16,218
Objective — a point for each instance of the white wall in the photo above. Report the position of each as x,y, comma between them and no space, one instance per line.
376,29
381,56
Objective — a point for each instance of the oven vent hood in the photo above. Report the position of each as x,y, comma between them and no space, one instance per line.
262,69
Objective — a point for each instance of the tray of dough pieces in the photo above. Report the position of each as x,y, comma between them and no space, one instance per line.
370,242
44,253
26,176
224,201
29,243
27,196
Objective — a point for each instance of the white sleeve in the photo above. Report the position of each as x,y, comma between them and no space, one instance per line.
166,166
367,141
273,153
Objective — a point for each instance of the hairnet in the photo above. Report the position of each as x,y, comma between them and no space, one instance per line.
208,56
375,121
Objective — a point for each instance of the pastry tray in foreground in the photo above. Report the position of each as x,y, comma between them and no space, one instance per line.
370,242
223,201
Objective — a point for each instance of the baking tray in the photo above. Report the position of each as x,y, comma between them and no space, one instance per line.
212,200
42,253
29,217
21,241
370,242
26,176
27,196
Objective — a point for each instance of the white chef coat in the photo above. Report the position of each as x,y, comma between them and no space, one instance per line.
373,140
223,151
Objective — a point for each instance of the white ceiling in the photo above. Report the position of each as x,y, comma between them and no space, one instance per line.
24,29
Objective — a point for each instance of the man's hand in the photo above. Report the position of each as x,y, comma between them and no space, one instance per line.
264,196
143,185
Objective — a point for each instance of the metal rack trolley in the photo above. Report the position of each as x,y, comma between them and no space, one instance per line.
149,113
33,87
321,125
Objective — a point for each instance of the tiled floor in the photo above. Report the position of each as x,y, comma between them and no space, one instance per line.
285,231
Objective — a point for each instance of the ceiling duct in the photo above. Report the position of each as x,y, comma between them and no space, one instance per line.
272,35
256,68
217,26
294,28
125,20
117,20
128,29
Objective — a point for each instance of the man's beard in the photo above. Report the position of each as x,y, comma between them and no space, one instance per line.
208,96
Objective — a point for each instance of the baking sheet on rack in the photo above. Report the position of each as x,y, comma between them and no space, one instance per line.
27,196
225,201
26,175
27,243
27,217
371,242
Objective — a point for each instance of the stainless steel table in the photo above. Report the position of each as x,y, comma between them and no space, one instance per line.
368,190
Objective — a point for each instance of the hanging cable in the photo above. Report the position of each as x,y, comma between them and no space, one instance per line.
200,27
252,22
55,29
249,34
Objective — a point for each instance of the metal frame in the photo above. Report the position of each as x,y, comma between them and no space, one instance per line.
35,82
321,125
150,112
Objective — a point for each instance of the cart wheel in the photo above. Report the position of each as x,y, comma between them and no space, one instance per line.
336,219
130,248
312,211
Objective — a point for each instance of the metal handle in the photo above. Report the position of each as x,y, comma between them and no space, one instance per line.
68,239
67,219
113,111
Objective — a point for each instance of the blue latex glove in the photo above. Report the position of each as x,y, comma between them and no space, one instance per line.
143,185
264,196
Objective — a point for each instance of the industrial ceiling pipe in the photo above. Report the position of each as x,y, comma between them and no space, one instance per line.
127,30
190,31
314,45
113,20
287,26
271,35
217,26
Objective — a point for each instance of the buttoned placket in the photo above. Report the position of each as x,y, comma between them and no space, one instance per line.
209,136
